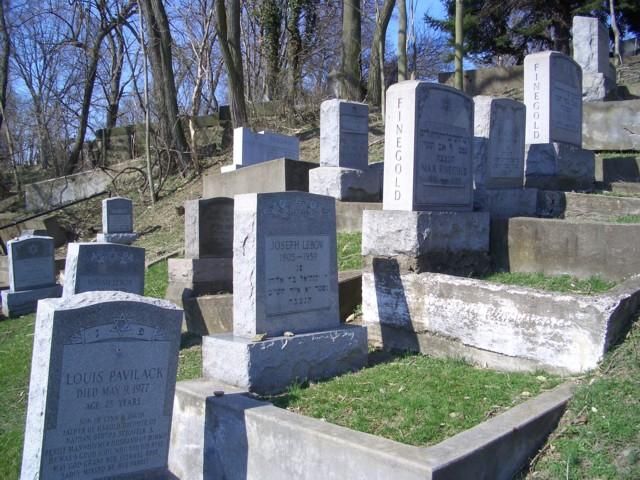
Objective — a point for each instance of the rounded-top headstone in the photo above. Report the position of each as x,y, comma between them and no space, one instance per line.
117,215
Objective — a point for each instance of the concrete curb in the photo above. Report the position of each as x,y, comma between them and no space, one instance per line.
243,438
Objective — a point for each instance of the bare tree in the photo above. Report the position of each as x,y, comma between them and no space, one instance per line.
375,84
228,27
402,40
4,59
159,43
351,46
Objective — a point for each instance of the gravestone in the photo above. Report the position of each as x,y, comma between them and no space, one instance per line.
103,266
344,134
102,384
591,52
117,221
427,223
208,264
32,274
553,96
498,158
208,228
286,320
250,148
428,143
554,158
344,172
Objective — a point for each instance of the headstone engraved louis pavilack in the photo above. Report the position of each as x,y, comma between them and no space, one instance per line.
103,266
32,275
102,383
286,322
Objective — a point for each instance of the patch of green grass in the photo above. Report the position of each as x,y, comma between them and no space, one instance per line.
599,435
554,283
156,279
414,399
190,357
16,343
349,251
627,219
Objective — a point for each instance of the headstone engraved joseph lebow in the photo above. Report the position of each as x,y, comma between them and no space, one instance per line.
103,266
31,274
102,383
286,288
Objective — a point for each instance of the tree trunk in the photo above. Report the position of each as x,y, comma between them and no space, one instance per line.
5,50
115,91
294,50
270,19
459,45
351,46
402,40
375,84
74,157
228,25
164,86
147,123
617,58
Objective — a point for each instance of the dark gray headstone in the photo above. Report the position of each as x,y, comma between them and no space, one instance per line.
117,215
208,228
102,384
31,263
103,266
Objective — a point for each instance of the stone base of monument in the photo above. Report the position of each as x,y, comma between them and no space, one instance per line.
559,166
21,303
349,215
596,86
199,276
626,188
348,184
121,238
273,176
500,326
451,242
271,365
210,314
507,202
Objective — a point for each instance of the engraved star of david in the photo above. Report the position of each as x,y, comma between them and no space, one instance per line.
121,323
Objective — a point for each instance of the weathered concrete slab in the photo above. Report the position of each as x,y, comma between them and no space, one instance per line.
58,191
348,184
583,206
577,248
236,437
349,215
629,188
611,125
279,175
500,326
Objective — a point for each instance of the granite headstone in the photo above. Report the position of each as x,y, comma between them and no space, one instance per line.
344,134
117,215
31,275
103,266
553,97
285,247
251,148
428,145
208,228
102,384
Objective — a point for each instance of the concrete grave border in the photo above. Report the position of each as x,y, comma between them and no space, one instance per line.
234,436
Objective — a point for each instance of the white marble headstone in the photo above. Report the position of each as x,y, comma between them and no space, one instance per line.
31,263
553,97
344,134
591,45
428,143
102,383
284,264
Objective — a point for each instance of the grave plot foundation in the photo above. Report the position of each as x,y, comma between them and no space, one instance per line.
348,184
15,304
499,326
559,166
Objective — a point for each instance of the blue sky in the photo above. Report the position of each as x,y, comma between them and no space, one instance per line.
434,7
